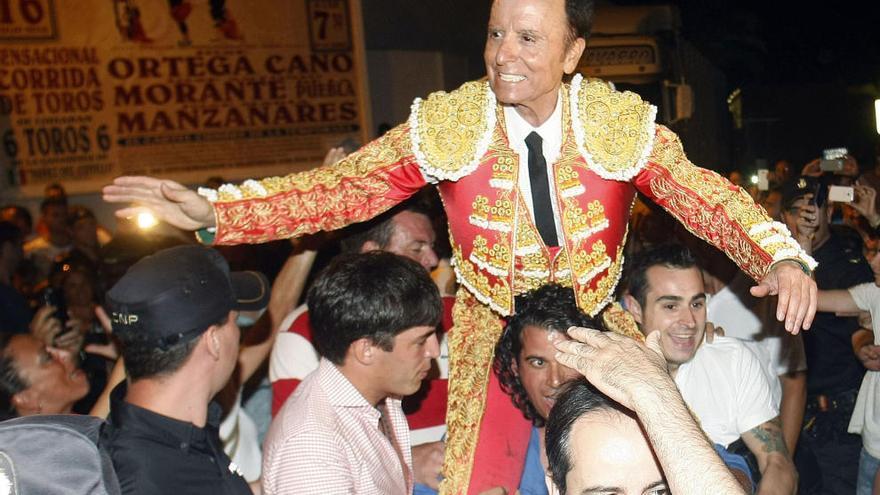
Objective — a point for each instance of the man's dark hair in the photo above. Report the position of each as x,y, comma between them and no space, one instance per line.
551,307
374,295
145,359
668,255
577,400
11,382
580,19
379,229
9,232
52,201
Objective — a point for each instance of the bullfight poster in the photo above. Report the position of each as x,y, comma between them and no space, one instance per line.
180,89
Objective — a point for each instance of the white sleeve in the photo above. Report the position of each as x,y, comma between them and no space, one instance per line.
754,393
867,298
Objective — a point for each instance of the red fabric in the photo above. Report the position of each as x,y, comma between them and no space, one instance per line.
501,448
427,407
281,390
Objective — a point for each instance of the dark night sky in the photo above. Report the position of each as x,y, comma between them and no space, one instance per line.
786,42
753,42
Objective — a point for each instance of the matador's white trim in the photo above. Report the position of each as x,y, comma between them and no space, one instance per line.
209,194
474,292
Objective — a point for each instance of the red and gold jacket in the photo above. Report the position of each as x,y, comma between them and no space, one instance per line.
611,149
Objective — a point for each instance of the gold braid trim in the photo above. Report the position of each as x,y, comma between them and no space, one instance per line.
326,198
471,350
713,209
390,149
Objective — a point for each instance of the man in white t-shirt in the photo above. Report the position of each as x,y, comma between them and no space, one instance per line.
723,382
866,344
753,321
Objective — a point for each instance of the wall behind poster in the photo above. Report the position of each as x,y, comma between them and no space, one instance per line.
182,89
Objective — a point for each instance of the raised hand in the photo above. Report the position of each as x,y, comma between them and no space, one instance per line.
865,203
168,200
797,295
618,366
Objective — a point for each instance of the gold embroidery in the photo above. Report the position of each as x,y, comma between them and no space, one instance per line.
480,212
592,301
471,350
533,265
620,321
568,181
614,130
391,149
709,206
495,260
503,173
451,131
583,225
497,295
327,198
587,265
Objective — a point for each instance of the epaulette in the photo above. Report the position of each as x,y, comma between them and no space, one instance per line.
450,132
614,130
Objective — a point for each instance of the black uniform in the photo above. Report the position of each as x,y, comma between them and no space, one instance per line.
827,456
154,454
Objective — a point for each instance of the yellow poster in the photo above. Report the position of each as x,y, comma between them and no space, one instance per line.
181,89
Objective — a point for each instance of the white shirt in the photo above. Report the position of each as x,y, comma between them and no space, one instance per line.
752,319
551,133
726,389
866,415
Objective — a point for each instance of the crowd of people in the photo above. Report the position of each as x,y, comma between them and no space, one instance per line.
523,356
369,346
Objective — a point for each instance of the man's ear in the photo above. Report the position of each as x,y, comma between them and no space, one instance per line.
363,351
368,246
211,340
634,308
573,55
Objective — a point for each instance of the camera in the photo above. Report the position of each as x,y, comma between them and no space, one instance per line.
841,194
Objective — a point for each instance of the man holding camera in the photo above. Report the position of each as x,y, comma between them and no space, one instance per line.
828,456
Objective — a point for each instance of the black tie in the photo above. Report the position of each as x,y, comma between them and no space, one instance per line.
541,191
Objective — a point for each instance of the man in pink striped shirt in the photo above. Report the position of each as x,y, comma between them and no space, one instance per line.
374,318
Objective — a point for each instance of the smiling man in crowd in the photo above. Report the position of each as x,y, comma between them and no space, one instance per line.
723,381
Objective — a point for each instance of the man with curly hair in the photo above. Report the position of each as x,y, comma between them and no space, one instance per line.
527,369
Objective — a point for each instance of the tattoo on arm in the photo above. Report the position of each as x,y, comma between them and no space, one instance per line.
770,437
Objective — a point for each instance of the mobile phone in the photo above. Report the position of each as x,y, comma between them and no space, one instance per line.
834,165
841,194
832,159
834,153
55,298
763,181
